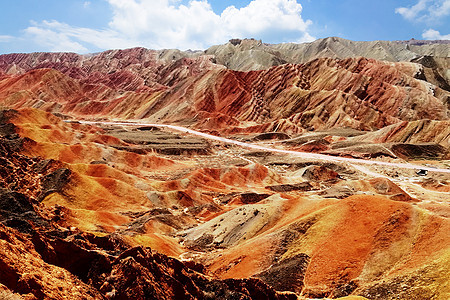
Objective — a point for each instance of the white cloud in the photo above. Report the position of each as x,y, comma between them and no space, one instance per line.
161,24
6,38
412,12
58,36
86,4
170,24
425,10
264,15
306,38
195,25
54,40
441,9
432,34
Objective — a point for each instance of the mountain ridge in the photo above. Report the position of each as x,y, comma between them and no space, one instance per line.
101,189
250,54
359,93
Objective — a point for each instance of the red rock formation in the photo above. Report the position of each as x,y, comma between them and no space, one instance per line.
49,258
416,132
25,273
93,202
324,93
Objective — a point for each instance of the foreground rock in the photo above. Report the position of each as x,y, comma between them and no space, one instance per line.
323,93
32,270
48,260
113,221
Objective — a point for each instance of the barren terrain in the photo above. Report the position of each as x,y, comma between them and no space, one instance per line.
174,177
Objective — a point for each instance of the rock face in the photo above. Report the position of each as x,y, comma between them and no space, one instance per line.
41,258
31,269
416,132
25,273
325,93
114,211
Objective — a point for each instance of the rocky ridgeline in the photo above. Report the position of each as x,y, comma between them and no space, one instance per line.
258,212
43,257
119,67
359,93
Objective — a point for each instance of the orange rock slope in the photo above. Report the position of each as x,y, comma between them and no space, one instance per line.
324,93
86,203
83,248
240,219
365,245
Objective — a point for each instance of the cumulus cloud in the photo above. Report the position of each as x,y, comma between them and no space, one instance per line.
426,10
54,40
57,36
411,13
432,34
441,10
161,24
6,38
196,25
264,16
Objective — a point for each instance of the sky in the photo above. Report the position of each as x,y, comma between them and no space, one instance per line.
87,26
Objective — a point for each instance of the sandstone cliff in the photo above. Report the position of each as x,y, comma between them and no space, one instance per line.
358,93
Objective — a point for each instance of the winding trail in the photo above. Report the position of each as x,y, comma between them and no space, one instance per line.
305,155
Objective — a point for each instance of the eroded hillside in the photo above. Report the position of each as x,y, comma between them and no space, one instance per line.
310,227
325,93
328,178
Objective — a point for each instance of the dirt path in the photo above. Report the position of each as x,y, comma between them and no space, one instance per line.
305,155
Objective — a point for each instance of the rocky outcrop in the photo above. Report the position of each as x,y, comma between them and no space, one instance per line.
416,132
84,267
325,93
436,70
155,276
44,257
25,273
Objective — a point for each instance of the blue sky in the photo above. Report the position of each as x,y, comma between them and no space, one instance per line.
85,26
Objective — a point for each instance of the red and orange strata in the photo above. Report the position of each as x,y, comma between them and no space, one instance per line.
325,93
332,228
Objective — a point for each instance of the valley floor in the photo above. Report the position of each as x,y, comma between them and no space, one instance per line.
142,210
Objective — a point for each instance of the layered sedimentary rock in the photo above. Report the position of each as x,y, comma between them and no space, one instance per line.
85,199
245,55
117,211
417,132
44,256
325,93
333,256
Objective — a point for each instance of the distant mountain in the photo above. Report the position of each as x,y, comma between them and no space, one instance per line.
252,54
297,87
245,55
249,54
109,211
360,93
